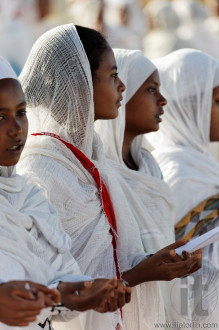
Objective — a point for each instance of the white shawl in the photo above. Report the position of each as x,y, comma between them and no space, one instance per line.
153,196
187,79
33,245
58,88
29,226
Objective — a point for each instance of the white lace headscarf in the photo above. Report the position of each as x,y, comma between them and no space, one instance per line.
153,196
58,87
187,80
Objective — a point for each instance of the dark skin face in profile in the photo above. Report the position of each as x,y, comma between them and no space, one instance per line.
214,126
108,87
143,114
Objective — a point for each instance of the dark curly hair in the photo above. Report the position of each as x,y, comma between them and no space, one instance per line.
94,45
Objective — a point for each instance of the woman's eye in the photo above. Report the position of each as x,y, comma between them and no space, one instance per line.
1,117
151,90
115,75
21,113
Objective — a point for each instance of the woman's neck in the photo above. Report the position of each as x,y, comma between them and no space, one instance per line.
126,153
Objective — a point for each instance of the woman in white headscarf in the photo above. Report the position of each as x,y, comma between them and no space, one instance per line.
33,245
124,143
190,81
65,93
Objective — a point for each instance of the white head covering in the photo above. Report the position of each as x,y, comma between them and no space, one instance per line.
58,87
154,198
6,70
153,201
29,225
50,72
187,78
134,68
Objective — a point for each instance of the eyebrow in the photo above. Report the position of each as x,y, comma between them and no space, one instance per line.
114,67
19,105
22,103
154,82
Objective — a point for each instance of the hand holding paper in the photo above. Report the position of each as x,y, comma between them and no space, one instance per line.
200,242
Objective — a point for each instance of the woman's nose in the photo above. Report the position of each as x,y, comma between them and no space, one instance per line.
162,100
122,86
15,128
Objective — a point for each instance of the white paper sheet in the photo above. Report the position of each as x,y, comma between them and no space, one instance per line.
200,242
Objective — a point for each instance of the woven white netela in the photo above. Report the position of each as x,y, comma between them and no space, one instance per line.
153,198
26,216
181,146
58,87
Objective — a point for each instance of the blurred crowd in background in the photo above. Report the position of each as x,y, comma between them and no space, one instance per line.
157,27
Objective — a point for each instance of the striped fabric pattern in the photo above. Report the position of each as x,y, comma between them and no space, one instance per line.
195,221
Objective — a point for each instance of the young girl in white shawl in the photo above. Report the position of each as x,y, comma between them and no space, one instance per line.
65,93
189,124
190,81
124,143
33,245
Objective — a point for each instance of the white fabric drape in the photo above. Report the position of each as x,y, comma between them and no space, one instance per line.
33,245
153,196
6,70
29,227
181,145
181,148
28,219
58,88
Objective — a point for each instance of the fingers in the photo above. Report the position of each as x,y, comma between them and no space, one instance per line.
194,263
52,298
173,246
121,296
55,296
128,294
175,257
102,308
81,286
21,318
23,294
37,287
25,322
104,295
48,300
183,268
36,304
102,288
164,256
112,304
